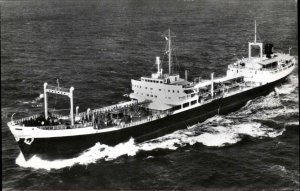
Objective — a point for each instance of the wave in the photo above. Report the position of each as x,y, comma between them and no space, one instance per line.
34,101
91,155
289,87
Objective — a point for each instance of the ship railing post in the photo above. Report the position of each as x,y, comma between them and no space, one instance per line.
88,113
45,100
77,108
71,108
249,50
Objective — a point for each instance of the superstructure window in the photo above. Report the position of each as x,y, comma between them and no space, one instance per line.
185,105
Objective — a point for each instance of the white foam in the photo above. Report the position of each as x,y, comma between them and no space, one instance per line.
41,96
293,123
285,89
288,87
92,155
216,140
218,137
230,135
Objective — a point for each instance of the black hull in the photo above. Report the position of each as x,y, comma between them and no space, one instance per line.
67,147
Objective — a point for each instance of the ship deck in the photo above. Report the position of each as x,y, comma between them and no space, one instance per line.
121,115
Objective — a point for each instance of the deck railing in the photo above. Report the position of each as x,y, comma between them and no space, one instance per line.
19,121
58,88
108,108
61,127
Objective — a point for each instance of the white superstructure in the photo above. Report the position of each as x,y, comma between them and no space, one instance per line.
263,69
166,91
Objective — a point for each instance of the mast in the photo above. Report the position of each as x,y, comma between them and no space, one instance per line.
255,43
170,53
255,32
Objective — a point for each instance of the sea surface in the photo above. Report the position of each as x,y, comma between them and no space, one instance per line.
97,46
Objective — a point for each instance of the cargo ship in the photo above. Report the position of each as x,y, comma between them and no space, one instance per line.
158,104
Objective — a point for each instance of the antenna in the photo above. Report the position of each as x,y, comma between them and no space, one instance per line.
57,83
255,44
255,32
170,52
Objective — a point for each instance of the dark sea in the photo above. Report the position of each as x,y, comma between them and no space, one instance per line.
98,46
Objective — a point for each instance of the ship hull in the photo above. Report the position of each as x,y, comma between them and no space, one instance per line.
70,146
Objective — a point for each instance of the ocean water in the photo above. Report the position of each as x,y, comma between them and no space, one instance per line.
97,46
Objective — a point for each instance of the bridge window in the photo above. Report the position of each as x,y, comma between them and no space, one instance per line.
185,105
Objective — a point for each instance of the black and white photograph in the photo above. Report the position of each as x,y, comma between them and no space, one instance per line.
149,95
